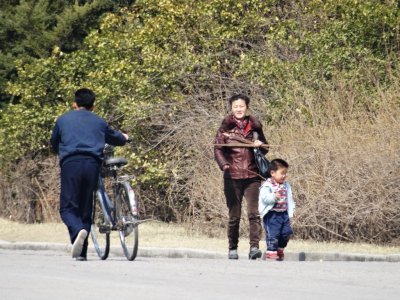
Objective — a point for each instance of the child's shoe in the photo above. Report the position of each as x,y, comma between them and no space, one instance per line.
281,255
270,255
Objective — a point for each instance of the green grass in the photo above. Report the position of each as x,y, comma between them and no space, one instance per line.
158,234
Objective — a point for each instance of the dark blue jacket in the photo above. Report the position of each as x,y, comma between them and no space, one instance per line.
82,132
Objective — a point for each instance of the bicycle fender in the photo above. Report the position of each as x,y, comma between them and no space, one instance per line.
132,199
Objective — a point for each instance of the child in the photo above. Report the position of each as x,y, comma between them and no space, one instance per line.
276,206
79,137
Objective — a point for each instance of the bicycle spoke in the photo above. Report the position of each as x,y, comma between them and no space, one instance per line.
128,228
100,230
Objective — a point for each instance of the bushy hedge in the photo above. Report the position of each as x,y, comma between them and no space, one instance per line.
163,69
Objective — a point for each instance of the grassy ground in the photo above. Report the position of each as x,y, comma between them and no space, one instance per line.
157,234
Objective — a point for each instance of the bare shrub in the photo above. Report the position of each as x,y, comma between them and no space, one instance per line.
29,191
344,164
344,169
346,181
342,145
341,142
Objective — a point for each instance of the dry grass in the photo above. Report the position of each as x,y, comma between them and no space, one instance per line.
157,234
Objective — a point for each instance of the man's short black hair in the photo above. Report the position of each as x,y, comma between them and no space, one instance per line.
278,163
239,96
85,98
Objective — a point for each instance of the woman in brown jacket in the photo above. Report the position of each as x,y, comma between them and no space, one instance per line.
241,176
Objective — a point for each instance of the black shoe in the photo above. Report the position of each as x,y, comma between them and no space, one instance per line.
233,254
81,258
254,253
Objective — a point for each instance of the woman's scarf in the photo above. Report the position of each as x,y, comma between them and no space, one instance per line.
244,125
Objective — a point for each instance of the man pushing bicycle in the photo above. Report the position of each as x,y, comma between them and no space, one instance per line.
79,137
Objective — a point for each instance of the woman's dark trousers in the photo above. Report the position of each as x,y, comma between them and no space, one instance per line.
235,190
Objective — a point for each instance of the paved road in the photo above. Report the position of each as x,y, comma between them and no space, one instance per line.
54,275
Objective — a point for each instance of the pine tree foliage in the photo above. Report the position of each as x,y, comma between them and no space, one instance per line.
30,29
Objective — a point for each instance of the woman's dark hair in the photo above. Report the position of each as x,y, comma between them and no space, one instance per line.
239,96
278,163
85,98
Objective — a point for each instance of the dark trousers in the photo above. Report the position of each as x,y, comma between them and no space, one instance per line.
278,229
234,190
79,179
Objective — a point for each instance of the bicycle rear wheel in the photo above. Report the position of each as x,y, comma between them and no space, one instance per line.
128,230
100,229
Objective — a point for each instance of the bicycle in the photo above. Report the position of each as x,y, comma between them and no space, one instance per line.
115,212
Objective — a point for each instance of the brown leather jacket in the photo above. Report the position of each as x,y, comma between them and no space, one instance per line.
240,160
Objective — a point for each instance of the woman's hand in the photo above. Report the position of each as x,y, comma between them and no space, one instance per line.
225,167
257,143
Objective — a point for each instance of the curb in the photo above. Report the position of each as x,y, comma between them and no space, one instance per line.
117,251
204,254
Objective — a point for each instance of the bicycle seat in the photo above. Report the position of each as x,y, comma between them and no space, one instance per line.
115,161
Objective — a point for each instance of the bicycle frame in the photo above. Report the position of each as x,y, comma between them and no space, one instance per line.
118,211
106,203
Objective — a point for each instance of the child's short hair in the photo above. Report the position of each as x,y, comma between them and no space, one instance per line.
239,96
278,163
85,98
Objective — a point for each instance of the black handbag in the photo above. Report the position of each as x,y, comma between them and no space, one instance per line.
262,163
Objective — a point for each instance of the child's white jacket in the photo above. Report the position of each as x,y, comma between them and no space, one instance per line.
266,199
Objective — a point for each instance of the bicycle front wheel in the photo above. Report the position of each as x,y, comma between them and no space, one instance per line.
128,230
100,229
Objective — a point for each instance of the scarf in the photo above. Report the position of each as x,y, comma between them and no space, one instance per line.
244,125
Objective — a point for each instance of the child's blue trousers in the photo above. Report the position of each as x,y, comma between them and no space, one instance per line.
79,177
278,229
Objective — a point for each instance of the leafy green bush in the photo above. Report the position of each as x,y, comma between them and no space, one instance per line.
163,69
